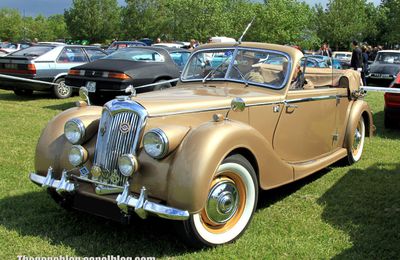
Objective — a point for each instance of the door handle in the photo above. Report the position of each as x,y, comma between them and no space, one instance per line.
291,106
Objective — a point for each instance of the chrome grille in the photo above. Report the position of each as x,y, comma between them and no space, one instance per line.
119,133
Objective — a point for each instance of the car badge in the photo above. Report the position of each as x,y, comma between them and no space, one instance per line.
93,73
124,127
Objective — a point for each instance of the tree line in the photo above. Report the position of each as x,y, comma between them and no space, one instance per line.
276,21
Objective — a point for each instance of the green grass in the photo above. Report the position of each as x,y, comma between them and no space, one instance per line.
339,212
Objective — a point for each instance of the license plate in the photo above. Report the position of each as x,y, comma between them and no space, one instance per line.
91,86
10,66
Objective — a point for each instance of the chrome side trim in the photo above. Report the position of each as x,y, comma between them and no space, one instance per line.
189,111
298,100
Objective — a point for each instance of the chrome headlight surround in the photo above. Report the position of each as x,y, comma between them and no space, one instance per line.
74,131
127,164
155,143
77,155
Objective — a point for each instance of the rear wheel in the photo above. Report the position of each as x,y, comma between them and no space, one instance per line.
231,202
356,144
61,90
23,92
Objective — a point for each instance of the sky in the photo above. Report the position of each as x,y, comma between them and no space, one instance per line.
50,7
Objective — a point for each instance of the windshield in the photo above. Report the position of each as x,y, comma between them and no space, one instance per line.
136,55
33,51
388,57
260,67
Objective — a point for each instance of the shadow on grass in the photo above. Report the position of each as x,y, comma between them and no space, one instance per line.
381,131
36,214
63,106
366,205
270,197
10,96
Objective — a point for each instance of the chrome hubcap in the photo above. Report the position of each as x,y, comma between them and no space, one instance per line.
63,89
357,139
222,203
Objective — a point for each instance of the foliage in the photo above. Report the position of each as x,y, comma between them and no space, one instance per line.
343,21
277,21
28,28
14,28
94,20
390,27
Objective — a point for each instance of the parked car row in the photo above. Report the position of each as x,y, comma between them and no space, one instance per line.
104,75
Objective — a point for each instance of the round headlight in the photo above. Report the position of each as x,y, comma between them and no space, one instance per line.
74,130
155,143
77,155
127,164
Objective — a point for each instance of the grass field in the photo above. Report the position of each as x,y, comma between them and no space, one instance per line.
339,212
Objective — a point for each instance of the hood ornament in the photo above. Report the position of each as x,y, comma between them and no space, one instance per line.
132,90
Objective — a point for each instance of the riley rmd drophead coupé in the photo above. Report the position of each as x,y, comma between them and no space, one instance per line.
243,117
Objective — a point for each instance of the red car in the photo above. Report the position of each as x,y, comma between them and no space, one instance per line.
392,105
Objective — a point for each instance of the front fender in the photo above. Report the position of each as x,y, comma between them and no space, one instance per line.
52,147
203,150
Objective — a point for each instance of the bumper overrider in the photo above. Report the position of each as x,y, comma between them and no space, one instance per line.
125,201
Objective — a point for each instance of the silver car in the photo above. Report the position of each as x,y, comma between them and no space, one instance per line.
44,62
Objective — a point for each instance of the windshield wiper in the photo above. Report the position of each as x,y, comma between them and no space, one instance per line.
212,72
246,82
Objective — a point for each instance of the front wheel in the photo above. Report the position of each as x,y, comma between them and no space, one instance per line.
231,202
356,144
61,90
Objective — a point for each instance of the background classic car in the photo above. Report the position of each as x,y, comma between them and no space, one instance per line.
199,153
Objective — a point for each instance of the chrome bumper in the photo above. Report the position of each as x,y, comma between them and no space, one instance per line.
141,205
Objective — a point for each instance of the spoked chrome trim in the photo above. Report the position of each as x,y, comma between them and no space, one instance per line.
63,89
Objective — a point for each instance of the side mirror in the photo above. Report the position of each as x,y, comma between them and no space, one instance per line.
238,104
84,94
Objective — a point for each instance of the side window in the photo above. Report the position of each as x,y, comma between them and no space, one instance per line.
69,54
180,58
95,54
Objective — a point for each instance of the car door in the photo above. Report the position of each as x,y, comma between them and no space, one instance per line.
307,127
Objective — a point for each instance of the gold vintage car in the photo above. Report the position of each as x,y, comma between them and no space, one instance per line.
243,116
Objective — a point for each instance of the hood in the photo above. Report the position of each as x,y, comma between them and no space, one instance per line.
186,99
384,68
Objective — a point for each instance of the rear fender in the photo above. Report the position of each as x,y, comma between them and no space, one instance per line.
359,108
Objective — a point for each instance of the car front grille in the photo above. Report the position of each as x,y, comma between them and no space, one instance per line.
120,130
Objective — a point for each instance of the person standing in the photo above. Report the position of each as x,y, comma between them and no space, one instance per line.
356,57
364,50
324,51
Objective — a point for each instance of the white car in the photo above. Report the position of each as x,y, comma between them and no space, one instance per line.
342,55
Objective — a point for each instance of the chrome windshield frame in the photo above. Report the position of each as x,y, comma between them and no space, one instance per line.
236,49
